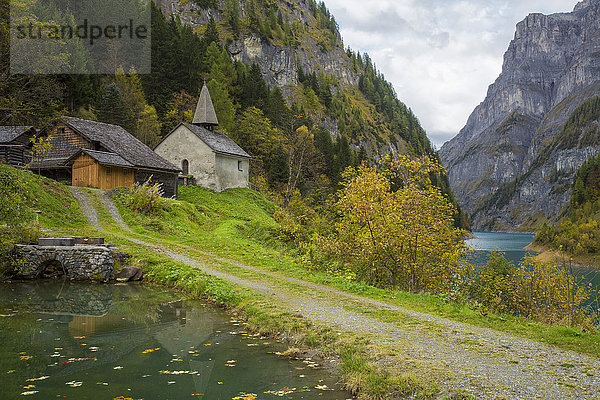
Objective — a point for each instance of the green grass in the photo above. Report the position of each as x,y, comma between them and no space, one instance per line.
238,224
58,207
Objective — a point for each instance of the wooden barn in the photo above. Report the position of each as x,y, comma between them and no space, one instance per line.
101,170
104,156
15,146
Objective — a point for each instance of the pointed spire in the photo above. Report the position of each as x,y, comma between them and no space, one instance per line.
205,115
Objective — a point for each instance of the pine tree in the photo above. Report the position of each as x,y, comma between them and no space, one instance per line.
211,34
112,109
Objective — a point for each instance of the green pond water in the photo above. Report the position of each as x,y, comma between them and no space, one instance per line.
91,341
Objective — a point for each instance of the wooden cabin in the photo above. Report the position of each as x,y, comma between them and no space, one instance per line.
104,156
101,170
15,145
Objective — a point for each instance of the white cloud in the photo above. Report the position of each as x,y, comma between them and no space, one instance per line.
440,55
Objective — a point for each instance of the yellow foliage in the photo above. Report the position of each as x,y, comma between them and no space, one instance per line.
401,238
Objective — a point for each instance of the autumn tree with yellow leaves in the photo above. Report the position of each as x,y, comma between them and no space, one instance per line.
402,238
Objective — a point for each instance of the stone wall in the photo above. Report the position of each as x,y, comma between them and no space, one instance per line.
79,262
231,172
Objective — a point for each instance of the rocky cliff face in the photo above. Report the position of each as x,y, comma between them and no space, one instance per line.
551,66
279,63
315,49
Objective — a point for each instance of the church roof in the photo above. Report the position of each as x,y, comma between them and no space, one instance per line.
217,141
205,111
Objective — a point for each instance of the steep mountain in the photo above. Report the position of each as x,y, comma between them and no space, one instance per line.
509,166
297,44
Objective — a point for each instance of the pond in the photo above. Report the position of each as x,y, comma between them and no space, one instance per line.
513,246
94,341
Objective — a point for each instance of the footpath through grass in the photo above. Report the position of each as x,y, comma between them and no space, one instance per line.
238,225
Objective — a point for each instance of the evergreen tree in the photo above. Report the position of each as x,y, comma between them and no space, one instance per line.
224,107
211,34
254,88
112,109
277,111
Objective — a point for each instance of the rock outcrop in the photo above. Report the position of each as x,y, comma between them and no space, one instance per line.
279,63
497,165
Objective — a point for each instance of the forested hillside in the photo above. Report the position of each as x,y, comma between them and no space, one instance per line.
579,232
302,131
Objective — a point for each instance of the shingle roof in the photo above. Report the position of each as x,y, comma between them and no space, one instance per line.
118,140
205,111
104,158
217,141
10,133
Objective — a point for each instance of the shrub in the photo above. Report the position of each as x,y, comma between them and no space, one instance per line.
15,217
537,290
146,198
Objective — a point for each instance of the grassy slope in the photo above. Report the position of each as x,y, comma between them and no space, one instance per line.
238,224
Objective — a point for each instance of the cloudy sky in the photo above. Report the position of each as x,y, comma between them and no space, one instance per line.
440,55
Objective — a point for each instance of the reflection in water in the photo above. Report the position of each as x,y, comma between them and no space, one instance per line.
84,341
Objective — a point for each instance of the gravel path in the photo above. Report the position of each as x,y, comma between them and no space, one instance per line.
472,360
86,207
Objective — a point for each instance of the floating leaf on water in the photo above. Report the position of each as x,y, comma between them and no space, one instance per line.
78,337
118,367
170,382
72,360
245,396
196,394
150,350
26,357
322,387
176,360
178,372
102,383
252,344
29,387
41,378
145,376
74,384
281,392
30,392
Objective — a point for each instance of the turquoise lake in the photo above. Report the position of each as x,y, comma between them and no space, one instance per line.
63,340
513,245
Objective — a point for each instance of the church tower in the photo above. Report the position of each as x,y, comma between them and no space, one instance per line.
205,115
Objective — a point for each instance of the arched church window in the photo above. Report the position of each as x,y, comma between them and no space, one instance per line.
185,167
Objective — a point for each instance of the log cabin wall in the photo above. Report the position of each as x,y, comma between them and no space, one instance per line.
14,155
65,142
88,173
168,180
